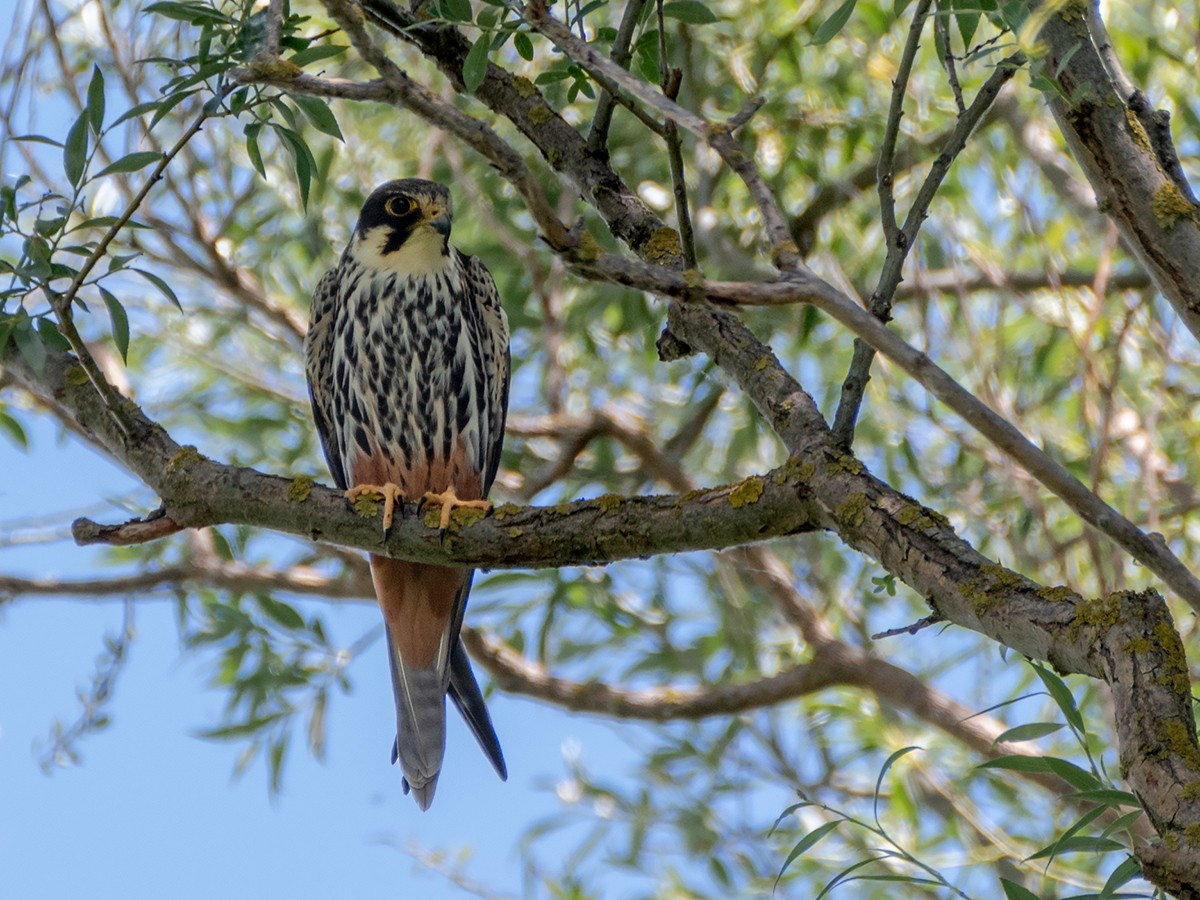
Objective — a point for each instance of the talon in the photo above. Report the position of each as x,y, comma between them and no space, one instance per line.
388,493
449,501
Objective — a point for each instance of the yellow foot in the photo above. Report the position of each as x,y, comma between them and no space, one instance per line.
388,493
449,502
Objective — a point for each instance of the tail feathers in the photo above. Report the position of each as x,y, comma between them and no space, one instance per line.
420,724
464,691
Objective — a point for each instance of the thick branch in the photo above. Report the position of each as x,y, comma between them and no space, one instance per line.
197,491
1133,183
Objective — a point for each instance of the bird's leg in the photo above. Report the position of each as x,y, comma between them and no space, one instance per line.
449,501
389,493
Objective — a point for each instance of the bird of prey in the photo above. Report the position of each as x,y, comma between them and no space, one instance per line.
408,367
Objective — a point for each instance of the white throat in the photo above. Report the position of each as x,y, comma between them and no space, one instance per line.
421,254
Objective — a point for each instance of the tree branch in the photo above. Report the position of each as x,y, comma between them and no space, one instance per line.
1159,222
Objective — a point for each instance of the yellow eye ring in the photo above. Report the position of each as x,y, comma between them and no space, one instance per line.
398,206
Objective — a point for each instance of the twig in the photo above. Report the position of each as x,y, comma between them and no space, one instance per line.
672,79
597,139
916,626
136,531
887,151
855,383
941,22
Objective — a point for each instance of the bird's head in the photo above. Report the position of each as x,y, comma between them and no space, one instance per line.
405,226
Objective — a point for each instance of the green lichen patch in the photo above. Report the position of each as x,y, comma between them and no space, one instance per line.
662,246
587,249
1102,613
795,470
76,376
608,502
186,456
563,509
1057,594
515,532
1169,206
505,510
465,516
781,251
300,488
747,491
1181,742
1139,644
523,86
366,506
846,464
852,512
1137,131
1190,791
540,115
1191,835
1174,667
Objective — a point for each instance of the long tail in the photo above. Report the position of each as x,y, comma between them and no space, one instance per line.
423,608
420,724
464,691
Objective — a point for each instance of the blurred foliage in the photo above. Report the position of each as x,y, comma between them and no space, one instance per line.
203,293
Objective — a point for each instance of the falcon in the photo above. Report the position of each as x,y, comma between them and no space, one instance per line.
407,362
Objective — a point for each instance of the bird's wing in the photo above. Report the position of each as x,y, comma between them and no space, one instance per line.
318,368
483,287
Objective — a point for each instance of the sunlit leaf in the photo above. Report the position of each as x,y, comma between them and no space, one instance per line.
829,29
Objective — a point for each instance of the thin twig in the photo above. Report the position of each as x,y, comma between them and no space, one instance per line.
941,22
855,383
886,176
672,80
622,53
909,629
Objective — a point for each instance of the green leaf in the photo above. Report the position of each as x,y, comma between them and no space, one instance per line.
318,112
281,612
1122,875
302,160
966,13
888,763
30,346
51,336
476,64
252,149
75,150
1080,844
242,729
36,139
13,429
1081,779
167,104
95,99
310,55
524,45
120,323
1108,797
131,163
690,11
1029,732
805,843
1014,891
1062,696
458,10
195,13
161,285
134,112
830,27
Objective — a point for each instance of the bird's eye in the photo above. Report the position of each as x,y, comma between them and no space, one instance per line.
398,206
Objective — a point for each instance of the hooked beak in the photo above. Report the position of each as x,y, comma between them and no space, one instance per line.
441,224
